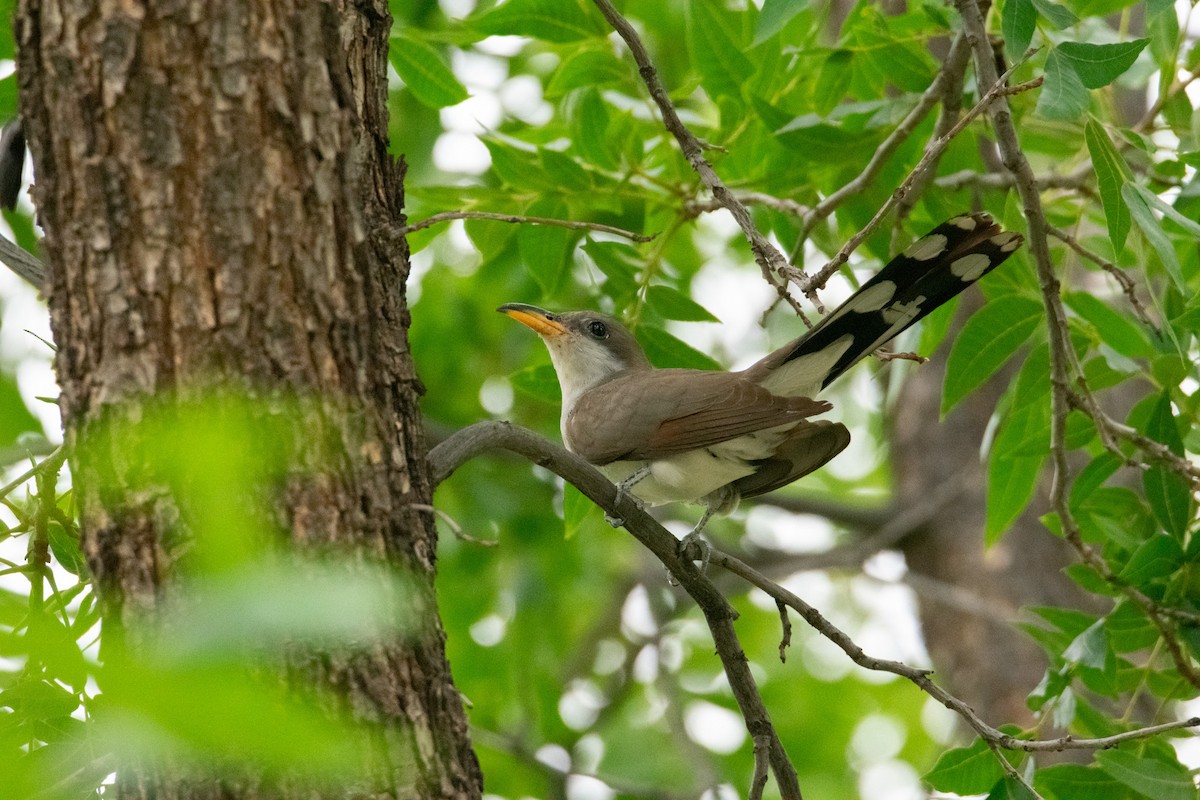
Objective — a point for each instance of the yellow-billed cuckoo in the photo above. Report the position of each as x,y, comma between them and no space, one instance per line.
667,435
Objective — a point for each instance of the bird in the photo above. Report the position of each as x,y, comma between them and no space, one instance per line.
712,437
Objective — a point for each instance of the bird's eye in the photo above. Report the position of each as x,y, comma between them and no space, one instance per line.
598,329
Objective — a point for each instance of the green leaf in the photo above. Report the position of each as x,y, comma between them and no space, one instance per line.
833,81
1111,173
1010,789
565,171
1063,96
713,44
1021,445
587,68
540,382
966,770
620,264
989,339
1162,25
1100,64
1058,16
546,249
65,546
1154,233
1090,648
15,417
1075,781
590,123
664,350
1168,210
426,73
1155,779
1092,477
670,303
1158,557
553,20
1018,21
774,16
1116,330
1166,490
579,513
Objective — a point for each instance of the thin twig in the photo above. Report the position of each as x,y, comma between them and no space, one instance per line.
951,72
770,261
932,153
518,219
785,622
1119,275
455,528
694,207
50,462
762,754
921,678
1076,181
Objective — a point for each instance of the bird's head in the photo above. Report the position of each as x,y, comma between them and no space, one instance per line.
587,348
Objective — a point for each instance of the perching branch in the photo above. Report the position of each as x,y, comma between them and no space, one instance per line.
447,216
481,437
26,265
484,436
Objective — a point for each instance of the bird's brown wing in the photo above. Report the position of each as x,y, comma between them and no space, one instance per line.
808,447
649,415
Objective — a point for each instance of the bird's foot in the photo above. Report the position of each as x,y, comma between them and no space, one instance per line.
694,548
622,492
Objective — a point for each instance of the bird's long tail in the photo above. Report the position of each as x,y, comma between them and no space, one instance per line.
929,273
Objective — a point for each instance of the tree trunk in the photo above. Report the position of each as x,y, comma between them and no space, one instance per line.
211,178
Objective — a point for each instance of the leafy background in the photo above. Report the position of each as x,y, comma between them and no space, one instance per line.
586,673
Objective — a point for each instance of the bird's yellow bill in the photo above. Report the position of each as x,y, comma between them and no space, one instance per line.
535,318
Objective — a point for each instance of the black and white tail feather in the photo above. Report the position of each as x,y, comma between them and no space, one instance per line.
930,272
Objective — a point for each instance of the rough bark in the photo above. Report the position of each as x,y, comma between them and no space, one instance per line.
209,176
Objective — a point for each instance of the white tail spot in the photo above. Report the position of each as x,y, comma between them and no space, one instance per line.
970,266
927,247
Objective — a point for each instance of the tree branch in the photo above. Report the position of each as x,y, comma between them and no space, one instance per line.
951,73
447,216
932,153
921,678
770,261
26,265
484,436
1062,354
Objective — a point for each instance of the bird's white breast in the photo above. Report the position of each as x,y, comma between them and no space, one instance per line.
688,477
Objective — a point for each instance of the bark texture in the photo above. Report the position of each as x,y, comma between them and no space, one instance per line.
209,175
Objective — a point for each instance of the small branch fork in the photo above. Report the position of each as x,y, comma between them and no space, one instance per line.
482,437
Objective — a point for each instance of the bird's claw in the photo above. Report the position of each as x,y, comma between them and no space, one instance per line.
694,542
